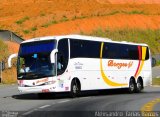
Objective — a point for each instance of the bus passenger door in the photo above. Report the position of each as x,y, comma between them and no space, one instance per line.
62,63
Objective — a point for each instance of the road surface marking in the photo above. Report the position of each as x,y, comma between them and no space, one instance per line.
150,106
44,106
64,101
29,112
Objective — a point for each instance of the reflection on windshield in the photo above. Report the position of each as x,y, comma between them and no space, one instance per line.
34,61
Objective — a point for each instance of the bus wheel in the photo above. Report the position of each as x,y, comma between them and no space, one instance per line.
132,86
139,86
75,89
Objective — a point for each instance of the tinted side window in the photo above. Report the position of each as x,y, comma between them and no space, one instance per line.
76,48
147,54
111,51
120,51
91,49
62,56
133,52
129,52
84,49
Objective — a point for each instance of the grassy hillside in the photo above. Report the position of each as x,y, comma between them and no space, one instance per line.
156,81
33,18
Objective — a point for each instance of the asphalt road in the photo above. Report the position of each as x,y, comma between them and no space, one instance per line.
89,104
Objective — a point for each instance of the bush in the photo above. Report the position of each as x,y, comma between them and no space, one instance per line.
49,23
34,28
3,51
64,19
22,20
42,14
26,31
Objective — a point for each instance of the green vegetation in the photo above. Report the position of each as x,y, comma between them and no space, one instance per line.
148,36
113,13
74,18
82,17
134,12
9,75
42,14
22,20
54,22
49,23
1,27
3,51
124,12
34,28
79,17
156,81
158,63
26,31
64,19
110,13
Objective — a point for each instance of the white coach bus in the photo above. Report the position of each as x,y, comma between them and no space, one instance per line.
75,63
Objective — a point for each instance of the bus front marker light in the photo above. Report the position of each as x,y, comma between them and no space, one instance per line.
45,90
50,82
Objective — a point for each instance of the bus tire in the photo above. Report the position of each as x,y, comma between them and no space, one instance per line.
132,86
139,86
75,88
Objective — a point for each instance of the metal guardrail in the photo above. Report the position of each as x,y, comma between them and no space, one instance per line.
7,35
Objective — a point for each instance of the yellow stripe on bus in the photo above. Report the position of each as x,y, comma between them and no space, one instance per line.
105,78
143,59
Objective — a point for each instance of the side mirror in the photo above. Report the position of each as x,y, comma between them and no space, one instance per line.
153,62
52,56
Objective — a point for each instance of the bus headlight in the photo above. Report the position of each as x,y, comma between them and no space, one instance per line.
50,82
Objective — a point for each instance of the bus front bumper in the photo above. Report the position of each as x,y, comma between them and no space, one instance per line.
37,89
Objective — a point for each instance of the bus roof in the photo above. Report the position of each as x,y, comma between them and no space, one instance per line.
82,37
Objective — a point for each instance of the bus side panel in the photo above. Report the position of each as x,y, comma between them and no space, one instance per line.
92,76
147,73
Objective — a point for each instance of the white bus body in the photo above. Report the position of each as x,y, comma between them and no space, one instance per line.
77,63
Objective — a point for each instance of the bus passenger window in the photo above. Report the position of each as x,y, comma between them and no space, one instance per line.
62,56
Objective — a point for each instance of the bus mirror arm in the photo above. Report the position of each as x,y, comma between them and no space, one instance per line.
10,59
52,56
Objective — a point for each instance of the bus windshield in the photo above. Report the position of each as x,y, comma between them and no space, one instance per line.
34,60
